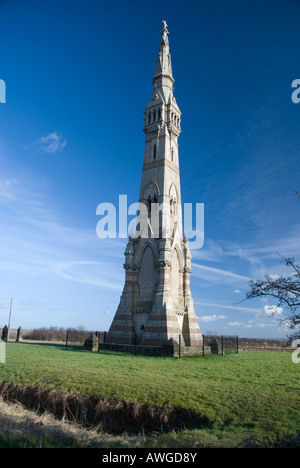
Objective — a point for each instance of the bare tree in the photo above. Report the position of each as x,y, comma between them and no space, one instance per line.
286,290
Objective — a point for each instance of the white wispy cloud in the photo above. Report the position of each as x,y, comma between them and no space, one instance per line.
56,251
263,256
35,242
218,275
89,272
52,143
211,318
234,324
6,190
273,310
230,307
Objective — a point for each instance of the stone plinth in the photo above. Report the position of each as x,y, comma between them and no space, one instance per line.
91,343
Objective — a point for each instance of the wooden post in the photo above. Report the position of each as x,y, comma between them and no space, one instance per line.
203,345
179,345
222,345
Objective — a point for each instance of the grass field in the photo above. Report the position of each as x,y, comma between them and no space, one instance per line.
250,394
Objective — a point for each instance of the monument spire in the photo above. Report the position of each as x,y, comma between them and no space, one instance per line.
164,67
156,309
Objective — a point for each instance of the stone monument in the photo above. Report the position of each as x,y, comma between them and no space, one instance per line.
156,312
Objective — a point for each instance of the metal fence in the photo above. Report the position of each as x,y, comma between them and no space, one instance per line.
223,344
79,337
212,344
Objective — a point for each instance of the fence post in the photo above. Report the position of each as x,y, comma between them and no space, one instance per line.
179,345
67,336
203,345
222,345
237,344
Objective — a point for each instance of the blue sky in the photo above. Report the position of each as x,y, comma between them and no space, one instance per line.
78,76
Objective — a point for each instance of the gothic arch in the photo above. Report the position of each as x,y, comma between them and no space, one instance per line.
179,255
152,189
173,189
147,278
141,250
157,186
173,195
175,277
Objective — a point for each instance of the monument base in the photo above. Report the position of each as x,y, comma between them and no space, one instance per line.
169,350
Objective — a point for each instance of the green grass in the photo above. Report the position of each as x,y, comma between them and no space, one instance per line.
248,394
9,440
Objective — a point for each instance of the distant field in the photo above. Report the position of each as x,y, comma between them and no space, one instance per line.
243,395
